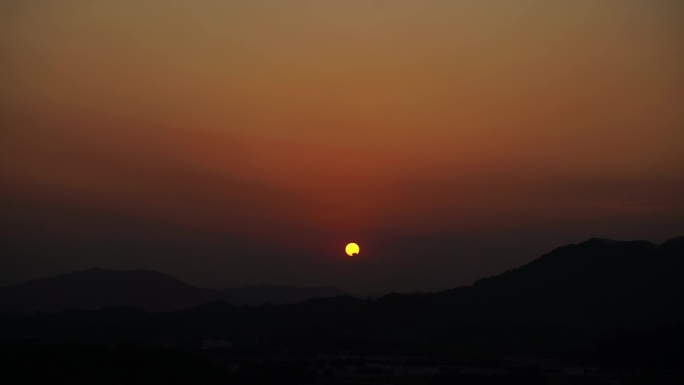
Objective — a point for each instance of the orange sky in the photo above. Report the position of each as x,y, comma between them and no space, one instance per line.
414,126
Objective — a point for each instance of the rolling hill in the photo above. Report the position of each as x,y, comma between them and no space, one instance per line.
97,288
281,294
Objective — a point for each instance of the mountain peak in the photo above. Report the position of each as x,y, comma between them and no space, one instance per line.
577,261
676,243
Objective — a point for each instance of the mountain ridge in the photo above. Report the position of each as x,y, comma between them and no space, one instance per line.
96,288
586,282
281,294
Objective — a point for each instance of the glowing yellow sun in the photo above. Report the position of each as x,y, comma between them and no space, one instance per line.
352,249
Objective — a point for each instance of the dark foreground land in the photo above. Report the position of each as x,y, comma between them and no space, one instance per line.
599,312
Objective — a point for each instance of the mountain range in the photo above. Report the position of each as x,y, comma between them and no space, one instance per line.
146,289
594,283
603,303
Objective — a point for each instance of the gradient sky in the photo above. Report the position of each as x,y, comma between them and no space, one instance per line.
238,142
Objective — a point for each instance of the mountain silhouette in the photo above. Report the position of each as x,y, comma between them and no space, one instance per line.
281,294
597,283
615,303
97,288
610,310
566,297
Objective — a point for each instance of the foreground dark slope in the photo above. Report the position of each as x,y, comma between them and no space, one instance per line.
98,288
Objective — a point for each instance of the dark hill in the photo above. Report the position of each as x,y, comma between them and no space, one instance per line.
281,294
97,288
597,283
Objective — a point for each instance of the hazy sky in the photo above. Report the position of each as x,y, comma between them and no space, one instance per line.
235,142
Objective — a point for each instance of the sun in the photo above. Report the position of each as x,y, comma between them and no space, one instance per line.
352,249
